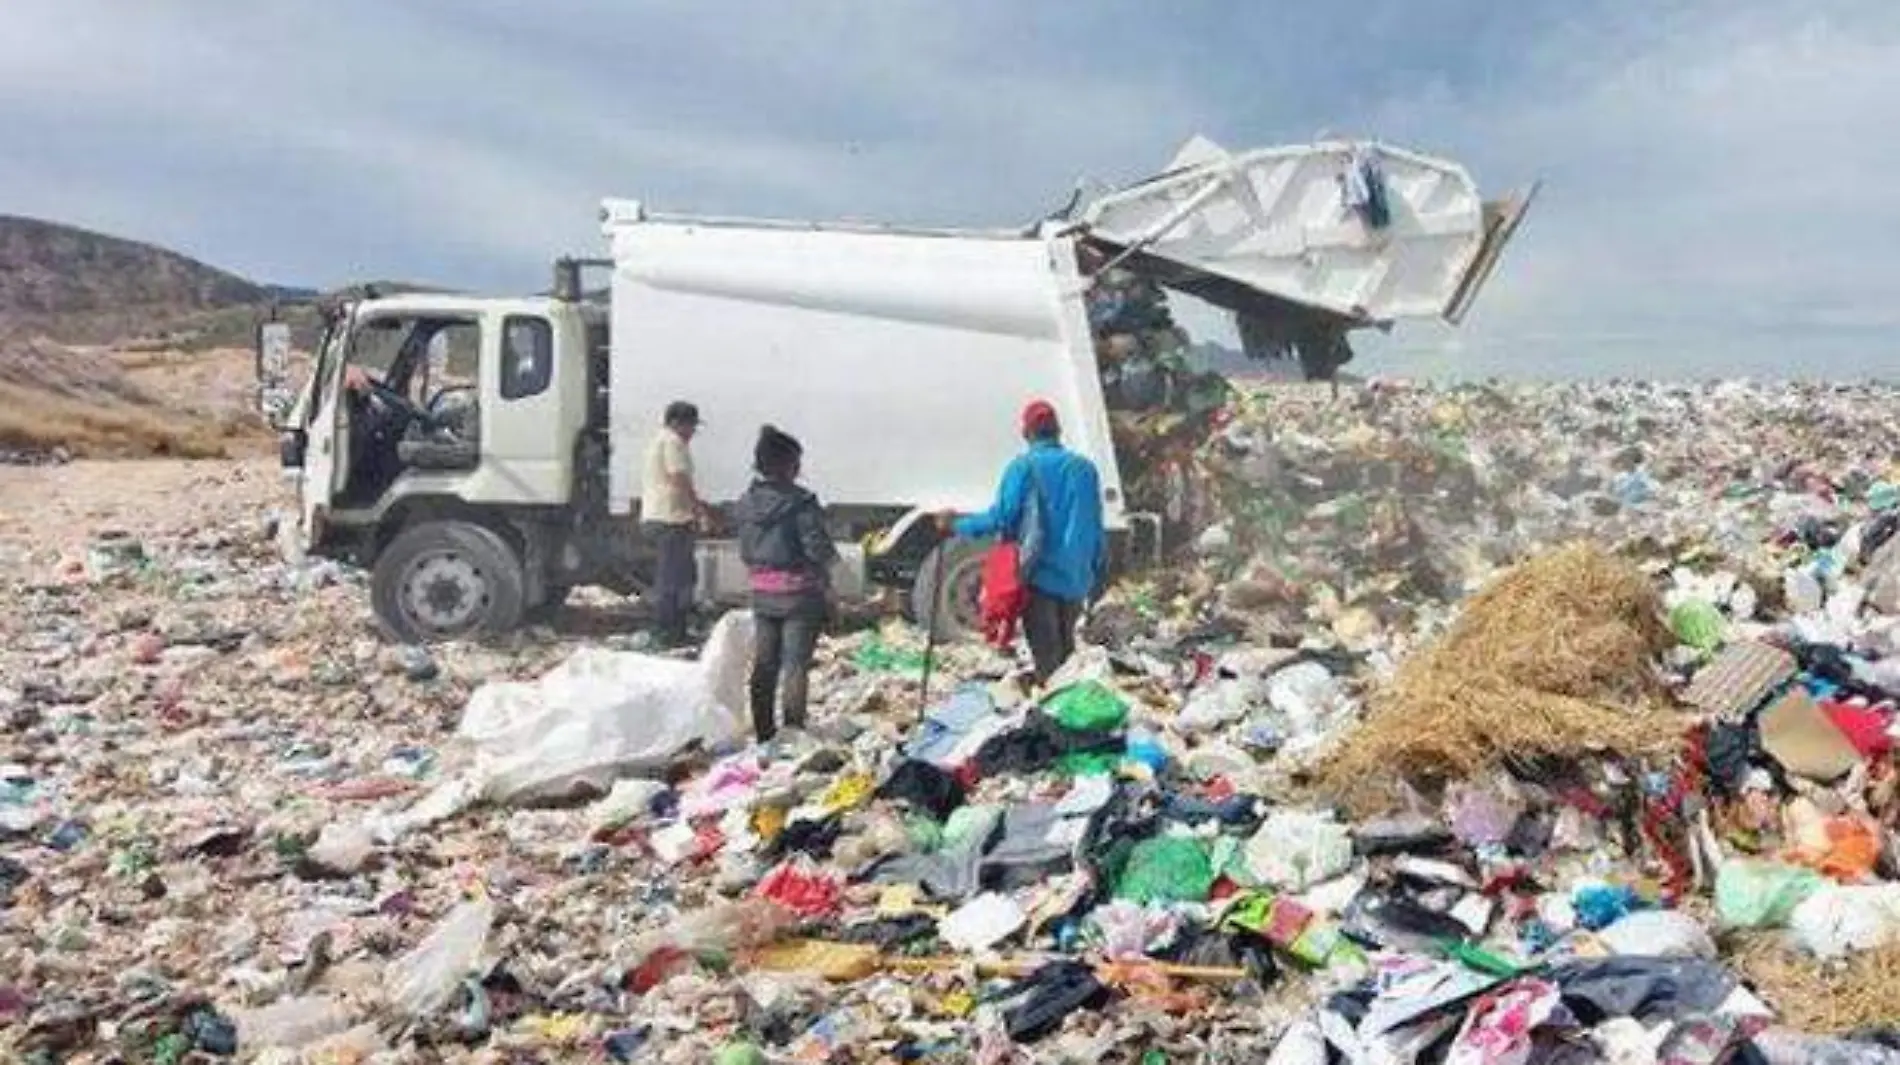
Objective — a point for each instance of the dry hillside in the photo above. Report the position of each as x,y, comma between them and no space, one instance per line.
57,401
113,348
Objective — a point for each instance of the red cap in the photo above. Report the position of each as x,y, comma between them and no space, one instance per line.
1039,417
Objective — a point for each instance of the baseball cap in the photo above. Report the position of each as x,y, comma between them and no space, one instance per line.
1039,417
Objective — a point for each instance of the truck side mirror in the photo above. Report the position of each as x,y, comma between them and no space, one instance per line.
273,371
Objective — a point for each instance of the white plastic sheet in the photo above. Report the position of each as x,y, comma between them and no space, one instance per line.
1295,850
1659,934
1841,920
601,713
423,980
1301,1044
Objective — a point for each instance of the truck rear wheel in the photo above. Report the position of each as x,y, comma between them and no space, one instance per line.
957,590
447,580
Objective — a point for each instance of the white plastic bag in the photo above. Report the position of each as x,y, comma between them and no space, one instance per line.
291,1023
342,848
1659,934
1301,1044
982,922
604,712
1218,702
1295,850
625,803
1840,920
1314,704
424,980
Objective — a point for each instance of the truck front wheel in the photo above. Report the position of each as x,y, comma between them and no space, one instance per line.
447,580
951,577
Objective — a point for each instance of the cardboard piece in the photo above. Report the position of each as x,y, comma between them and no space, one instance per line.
1797,733
1740,678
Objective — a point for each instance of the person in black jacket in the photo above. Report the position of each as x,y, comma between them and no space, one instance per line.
783,541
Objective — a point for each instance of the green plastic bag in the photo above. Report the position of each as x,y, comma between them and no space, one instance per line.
876,656
925,834
1166,869
1088,763
1698,624
1755,894
1088,707
966,821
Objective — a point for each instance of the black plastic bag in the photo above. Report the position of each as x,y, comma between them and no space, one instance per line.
925,787
1397,922
1650,990
891,934
1048,995
813,838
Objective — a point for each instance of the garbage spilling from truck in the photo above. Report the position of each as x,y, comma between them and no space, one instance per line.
1481,724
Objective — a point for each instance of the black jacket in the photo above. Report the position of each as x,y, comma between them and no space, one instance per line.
782,527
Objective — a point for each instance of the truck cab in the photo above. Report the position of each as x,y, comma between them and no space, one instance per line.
435,439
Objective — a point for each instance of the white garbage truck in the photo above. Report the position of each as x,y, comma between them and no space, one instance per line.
482,456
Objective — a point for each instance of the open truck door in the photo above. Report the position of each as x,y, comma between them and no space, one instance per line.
1363,233
313,437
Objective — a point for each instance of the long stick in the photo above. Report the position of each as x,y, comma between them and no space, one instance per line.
937,592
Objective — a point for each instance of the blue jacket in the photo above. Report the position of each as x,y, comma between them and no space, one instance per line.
1074,553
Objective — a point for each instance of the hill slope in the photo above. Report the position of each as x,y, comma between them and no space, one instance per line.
50,271
72,302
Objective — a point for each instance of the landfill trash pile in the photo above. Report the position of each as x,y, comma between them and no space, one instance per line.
234,825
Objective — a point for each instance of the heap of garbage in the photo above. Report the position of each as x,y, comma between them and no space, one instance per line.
1482,725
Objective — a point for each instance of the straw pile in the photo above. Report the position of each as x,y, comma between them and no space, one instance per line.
1555,658
1862,991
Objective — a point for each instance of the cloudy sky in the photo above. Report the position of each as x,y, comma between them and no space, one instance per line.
1719,173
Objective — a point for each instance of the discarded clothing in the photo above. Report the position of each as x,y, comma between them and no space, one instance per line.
925,787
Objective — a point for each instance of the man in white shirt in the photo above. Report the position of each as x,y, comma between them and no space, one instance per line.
670,512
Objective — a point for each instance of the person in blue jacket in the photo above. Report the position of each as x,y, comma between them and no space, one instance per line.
1070,564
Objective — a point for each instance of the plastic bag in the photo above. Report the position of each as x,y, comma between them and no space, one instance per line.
1301,1044
1498,1029
1219,702
1313,702
1849,849
1088,707
627,802
803,888
1755,894
982,923
1600,905
1659,934
342,848
723,928
1835,921
1295,850
1166,869
602,712
1044,998
424,980
1128,930
1698,624
291,1023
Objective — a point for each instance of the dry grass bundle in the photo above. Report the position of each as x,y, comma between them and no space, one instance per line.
1555,658
1861,991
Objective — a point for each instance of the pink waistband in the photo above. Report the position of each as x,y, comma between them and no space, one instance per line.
778,581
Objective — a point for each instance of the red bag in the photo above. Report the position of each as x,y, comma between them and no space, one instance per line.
1004,594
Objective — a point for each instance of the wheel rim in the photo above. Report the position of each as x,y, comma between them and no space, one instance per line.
964,589
444,592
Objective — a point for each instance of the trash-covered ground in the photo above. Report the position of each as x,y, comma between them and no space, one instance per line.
1337,785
